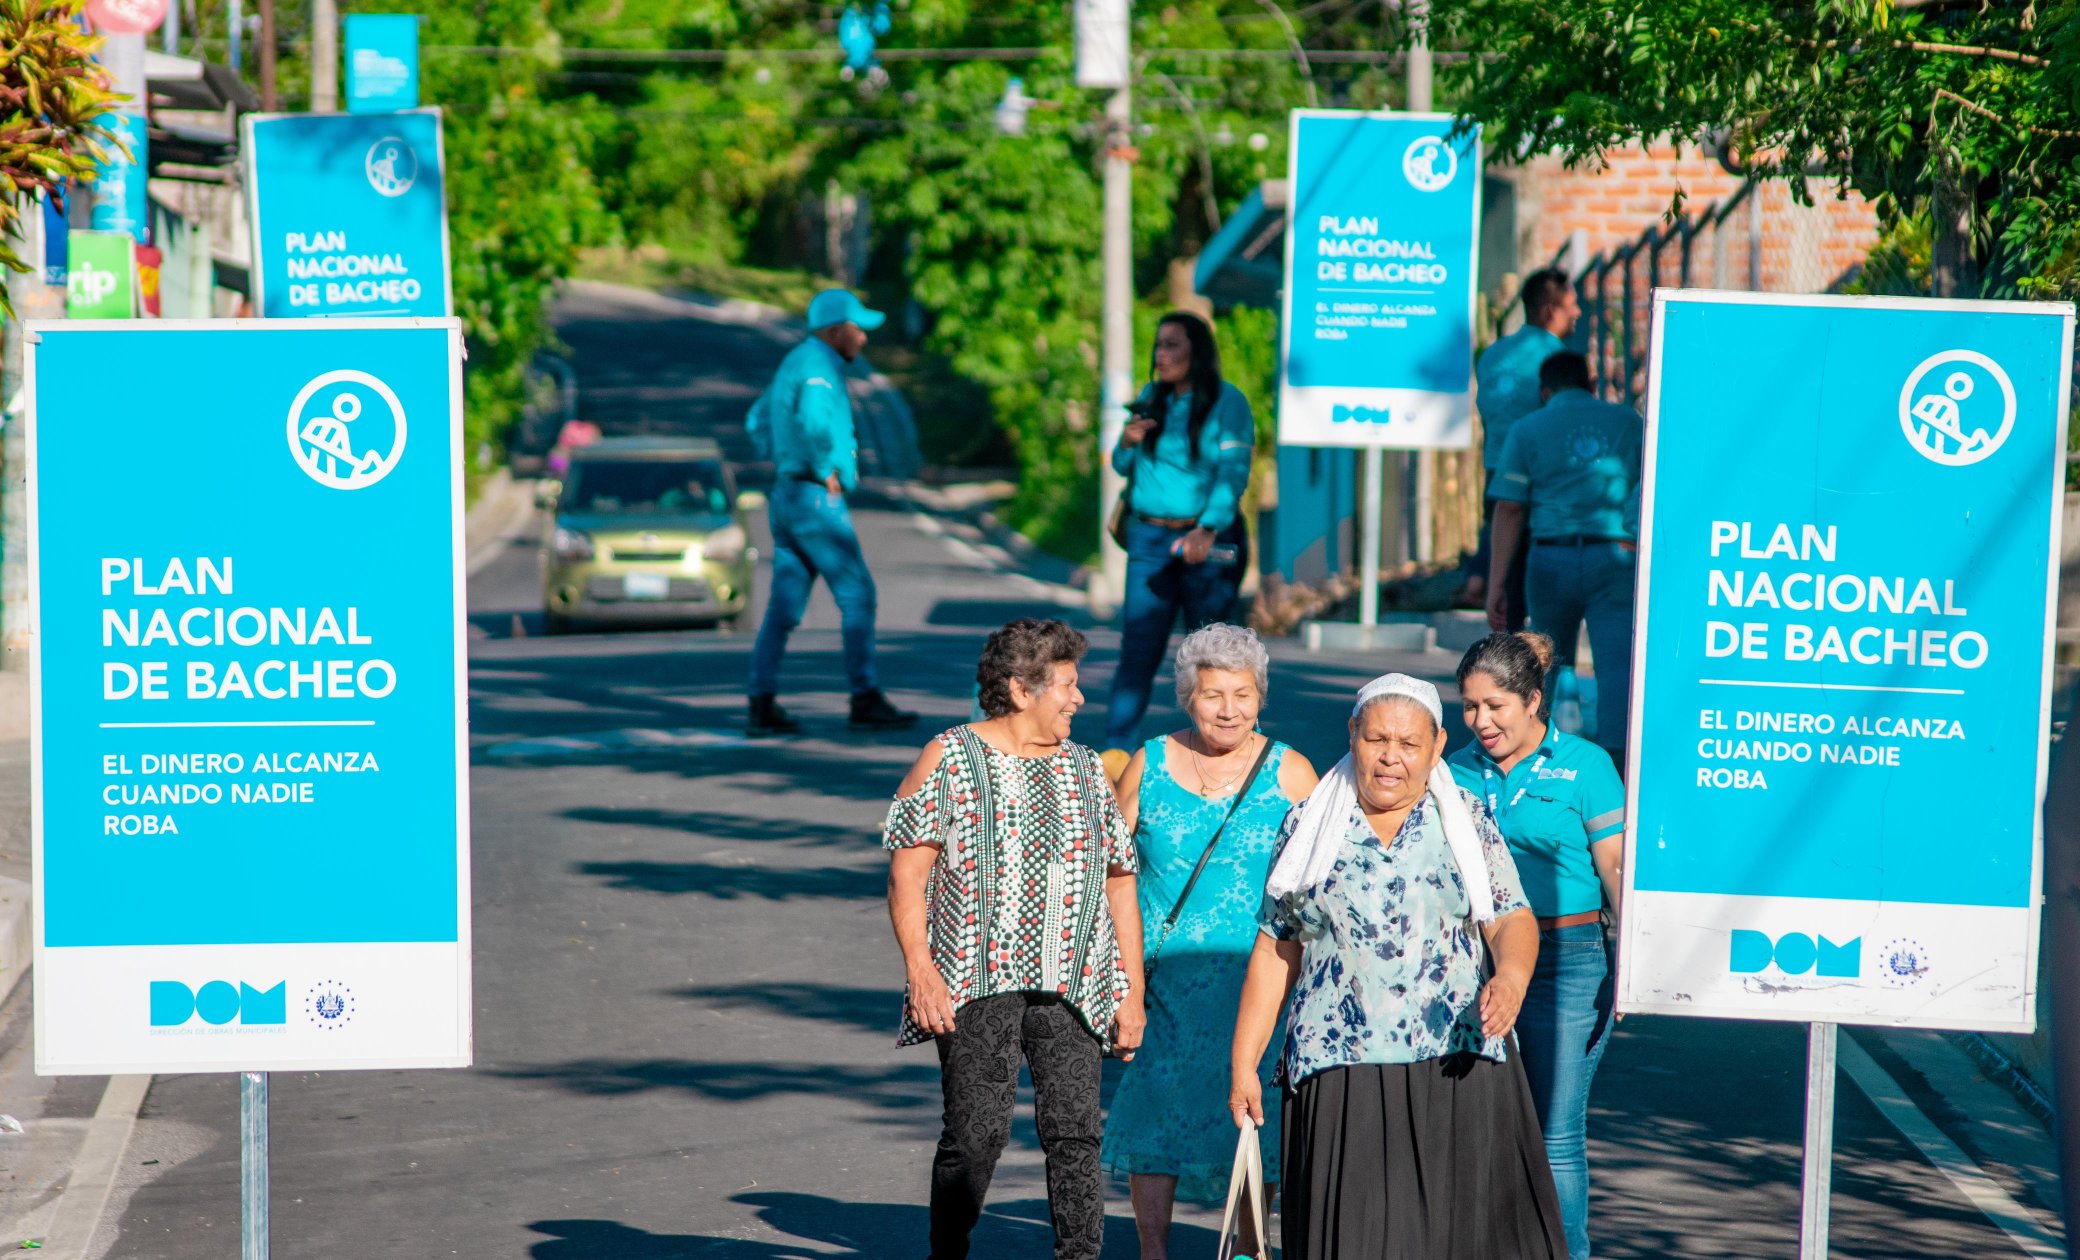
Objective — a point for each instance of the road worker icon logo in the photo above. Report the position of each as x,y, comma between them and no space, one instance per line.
392,166
1429,164
1957,407
346,430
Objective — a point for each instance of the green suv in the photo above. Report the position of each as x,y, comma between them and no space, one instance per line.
645,531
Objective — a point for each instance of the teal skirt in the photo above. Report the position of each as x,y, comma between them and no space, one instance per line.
1170,1113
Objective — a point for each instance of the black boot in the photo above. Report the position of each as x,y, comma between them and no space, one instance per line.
871,711
768,718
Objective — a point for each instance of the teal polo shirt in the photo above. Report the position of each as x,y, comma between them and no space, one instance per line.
804,419
1575,461
1170,484
1550,808
1506,384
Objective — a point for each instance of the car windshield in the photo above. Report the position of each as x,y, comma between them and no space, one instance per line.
646,487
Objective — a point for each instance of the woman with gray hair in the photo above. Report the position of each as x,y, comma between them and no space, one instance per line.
1205,803
1409,1128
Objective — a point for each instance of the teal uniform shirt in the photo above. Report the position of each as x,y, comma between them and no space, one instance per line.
1169,484
1576,462
1506,378
804,419
1551,807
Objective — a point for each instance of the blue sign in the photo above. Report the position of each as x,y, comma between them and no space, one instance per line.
250,707
382,62
1848,552
1381,259
348,214
121,202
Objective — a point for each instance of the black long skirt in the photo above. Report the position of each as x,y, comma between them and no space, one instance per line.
1438,1160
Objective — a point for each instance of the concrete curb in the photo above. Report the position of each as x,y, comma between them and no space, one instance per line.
17,934
501,514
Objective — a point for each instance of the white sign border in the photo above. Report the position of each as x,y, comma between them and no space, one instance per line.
250,163
1628,921
1454,411
33,332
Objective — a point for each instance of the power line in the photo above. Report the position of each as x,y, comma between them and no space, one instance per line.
714,56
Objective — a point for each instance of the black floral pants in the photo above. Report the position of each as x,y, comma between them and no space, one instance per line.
978,1065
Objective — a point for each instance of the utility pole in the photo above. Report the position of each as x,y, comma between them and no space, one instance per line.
270,90
324,56
1103,36
1421,532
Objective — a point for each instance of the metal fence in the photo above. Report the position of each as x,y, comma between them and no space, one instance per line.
1759,239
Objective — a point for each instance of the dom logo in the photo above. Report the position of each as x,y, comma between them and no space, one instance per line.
1430,164
1957,407
1361,415
392,166
1795,954
346,430
218,1002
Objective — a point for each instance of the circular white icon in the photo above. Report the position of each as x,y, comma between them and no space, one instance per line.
1429,163
1948,417
392,166
322,440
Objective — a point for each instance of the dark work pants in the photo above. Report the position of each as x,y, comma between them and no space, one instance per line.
978,1065
1159,586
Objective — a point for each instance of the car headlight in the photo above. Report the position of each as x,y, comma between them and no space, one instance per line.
724,546
570,546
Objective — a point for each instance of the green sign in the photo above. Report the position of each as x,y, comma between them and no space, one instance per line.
102,282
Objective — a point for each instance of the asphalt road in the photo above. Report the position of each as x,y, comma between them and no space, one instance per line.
687,991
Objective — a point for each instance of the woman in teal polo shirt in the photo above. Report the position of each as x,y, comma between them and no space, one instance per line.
1560,806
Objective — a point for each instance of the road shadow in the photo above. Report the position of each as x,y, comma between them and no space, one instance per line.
700,824
904,1088
867,1010
728,883
832,1229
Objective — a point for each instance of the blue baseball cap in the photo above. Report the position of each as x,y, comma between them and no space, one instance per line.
839,306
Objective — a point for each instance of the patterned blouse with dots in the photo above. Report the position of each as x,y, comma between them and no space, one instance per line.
1016,901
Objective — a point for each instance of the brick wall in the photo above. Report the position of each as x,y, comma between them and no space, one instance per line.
1804,249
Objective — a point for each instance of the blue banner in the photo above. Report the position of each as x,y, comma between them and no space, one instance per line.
121,202
251,745
1849,549
382,62
348,214
1381,262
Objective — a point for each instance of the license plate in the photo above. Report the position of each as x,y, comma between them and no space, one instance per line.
646,586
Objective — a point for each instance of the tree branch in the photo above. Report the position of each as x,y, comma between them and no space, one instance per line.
1976,108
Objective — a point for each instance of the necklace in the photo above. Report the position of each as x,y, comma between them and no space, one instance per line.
1205,779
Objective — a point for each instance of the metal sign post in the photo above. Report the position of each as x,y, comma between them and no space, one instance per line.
1818,1181
252,1165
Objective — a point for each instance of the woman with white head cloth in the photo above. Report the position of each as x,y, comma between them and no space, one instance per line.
1409,1128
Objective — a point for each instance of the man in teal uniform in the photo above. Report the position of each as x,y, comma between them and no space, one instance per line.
804,420
1506,380
1569,471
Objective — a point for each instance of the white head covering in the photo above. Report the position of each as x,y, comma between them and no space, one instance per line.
1310,852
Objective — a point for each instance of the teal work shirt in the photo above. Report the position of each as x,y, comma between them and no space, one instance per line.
1551,807
1506,380
804,419
1576,462
1170,484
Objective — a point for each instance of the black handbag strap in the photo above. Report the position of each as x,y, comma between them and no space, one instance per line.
1148,965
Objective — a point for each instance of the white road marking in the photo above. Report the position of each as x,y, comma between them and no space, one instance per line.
1981,1191
77,1214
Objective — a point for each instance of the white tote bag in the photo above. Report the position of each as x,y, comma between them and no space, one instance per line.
1246,1200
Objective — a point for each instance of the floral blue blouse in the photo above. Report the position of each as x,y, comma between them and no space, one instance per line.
1391,967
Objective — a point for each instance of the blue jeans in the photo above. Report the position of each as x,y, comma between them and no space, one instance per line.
813,537
1566,586
1561,1033
1159,585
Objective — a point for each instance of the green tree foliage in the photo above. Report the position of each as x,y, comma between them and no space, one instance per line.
1967,114
521,196
50,93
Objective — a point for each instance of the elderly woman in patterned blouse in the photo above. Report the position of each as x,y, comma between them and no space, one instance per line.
1409,1130
1011,886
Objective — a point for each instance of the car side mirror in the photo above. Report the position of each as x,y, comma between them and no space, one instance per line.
546,492
750,500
